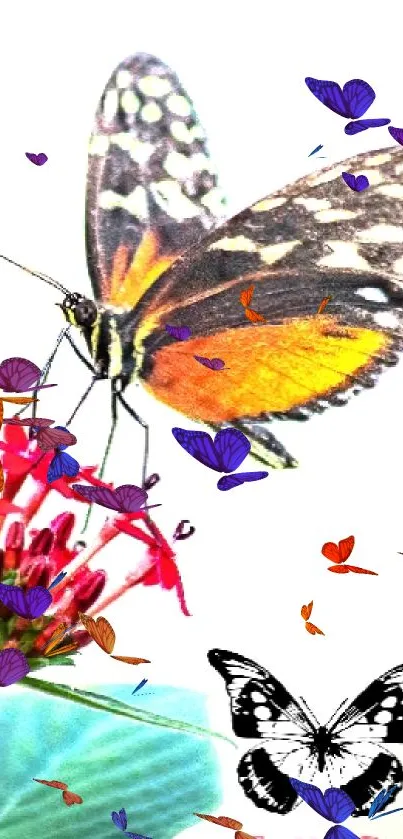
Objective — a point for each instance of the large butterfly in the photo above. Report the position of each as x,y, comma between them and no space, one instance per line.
152,201
348,750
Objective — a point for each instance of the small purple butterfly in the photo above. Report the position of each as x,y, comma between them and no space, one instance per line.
224,454
38,159
19,374
363,124
334,805
181,333
120,821
62,463
124,499
211,363
397,134
358,184
13,666
47,438
29,604
351,102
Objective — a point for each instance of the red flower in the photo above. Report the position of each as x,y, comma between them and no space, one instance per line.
40,558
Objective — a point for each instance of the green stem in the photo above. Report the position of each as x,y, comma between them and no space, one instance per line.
114,706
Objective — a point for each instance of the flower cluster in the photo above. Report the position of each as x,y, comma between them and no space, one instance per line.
35,556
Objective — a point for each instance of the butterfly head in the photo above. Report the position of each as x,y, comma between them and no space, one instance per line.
80,311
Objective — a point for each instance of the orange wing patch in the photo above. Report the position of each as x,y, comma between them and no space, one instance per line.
128,283
274,369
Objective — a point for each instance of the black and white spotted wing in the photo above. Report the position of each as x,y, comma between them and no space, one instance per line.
348,751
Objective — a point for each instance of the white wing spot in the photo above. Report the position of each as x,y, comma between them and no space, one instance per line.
383,718
258,697
381,233
129,102
139,151
151,112
391,190
98,145
387,320
179,105
273,253
377,160
262,712
267,204
375,295
326,216
135,203
169,196
111,104
181,132
154,86
313,204
397,266
345,255
123,79
326,177
235,243
214,200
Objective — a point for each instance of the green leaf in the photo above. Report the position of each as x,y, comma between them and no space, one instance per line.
3,633
43,661
26,641
114,706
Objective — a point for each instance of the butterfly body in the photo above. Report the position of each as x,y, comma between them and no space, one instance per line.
349,751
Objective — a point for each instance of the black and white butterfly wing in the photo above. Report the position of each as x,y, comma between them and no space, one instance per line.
373,718
262,707
347,753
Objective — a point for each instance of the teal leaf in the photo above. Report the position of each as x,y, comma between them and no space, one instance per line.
113,706
161,776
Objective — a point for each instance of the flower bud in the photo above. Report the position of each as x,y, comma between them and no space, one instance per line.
37,571
14,545
41,543
62,528
86,592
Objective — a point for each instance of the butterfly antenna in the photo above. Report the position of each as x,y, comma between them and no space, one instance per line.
309,712
44,277
344,702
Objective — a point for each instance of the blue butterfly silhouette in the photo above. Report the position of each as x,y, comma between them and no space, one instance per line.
62,463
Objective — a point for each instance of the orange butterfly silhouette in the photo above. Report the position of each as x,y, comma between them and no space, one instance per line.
339,553
245,298
56,639
310,627
69,798
18,400
225,821
323,304
103,634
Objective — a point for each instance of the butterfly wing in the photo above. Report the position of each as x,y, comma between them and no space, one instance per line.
330,94
13,667
52,438
18,374
359,96
119,819
62,464
29,604
100,630
374,718
199,445
230,481
98,495
345,548
152,189
130,498
363,124
261,707
296,257
397,134
232,446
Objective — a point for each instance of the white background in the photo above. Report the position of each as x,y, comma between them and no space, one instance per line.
255,558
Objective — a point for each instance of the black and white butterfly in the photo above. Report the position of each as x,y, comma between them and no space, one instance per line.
348,750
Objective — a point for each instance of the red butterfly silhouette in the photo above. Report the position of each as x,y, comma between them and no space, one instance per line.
69,798
339,553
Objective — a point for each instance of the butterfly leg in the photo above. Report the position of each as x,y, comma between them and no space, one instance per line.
82,400
132,413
